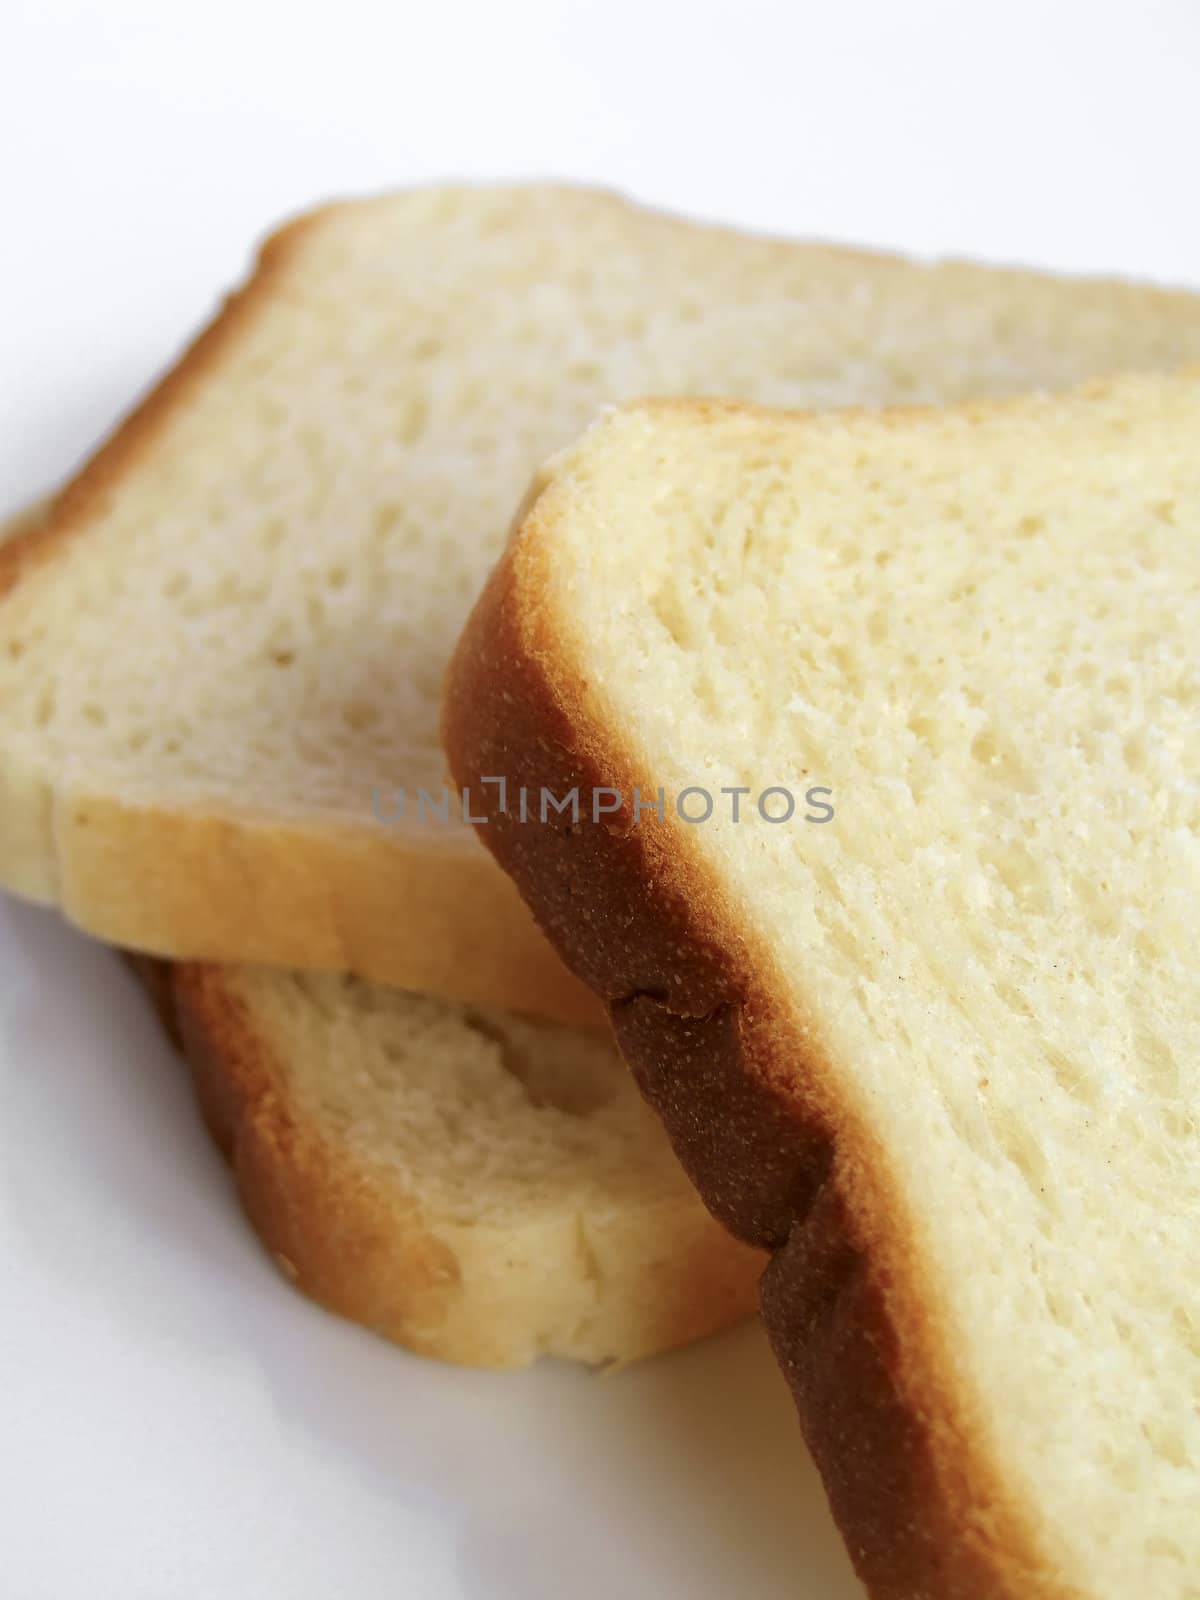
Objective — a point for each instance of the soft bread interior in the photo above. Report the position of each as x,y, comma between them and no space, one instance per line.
499,1119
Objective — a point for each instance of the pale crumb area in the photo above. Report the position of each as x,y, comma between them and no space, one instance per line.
476,1186
513,1196
981,633
260,612
482,1116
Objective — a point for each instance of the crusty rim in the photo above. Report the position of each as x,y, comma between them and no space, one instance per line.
638,915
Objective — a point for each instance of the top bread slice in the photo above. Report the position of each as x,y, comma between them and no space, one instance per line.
221,659
941,1052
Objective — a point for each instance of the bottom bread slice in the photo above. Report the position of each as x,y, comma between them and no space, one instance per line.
474,1185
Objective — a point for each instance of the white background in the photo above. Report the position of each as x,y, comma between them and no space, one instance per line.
173,1421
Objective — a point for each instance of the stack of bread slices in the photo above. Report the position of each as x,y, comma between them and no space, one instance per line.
845,520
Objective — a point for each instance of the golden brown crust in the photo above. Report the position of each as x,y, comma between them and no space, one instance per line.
754,1115
299,893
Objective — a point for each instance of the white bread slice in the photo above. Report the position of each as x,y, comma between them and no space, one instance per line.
226,648
940,1055
477,1186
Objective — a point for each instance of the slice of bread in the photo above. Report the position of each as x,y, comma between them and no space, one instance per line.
941,1053
477,1186
221,659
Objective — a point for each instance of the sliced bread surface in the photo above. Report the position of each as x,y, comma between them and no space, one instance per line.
940,1054
220,660
477,1186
